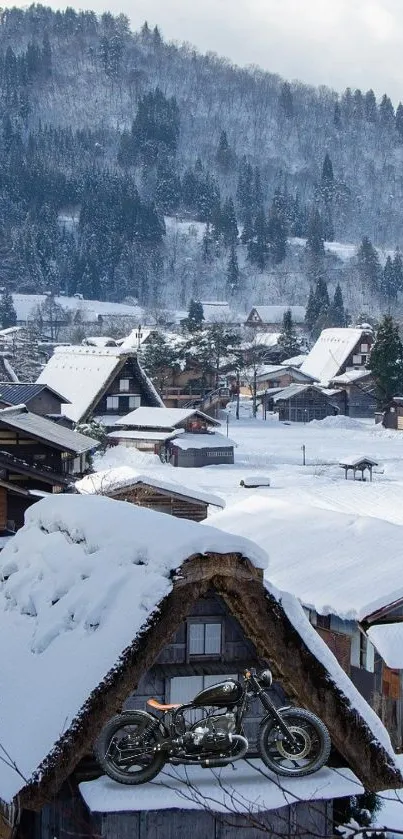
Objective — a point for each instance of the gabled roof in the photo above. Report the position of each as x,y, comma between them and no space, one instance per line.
166,418
20,419
331,352
351,377
84,374
111,481
275,314
281,370
356,460
294,389
91,591
18,393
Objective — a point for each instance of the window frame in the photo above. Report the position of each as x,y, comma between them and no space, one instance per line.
125,389
114,397
203,656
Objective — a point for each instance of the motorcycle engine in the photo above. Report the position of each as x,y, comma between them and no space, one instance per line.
212,733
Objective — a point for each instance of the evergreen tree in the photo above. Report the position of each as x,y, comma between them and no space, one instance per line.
168,188
317,310
195,318
286,100
369,267
158,358
337,313
232,272
277,237
8,315
225,225
398,270
370,106
311,312
327,194
46,56
387,361
208,243
287,340
358,104
244,193
386,111
387,284
224,156
337,115
315,239
258,246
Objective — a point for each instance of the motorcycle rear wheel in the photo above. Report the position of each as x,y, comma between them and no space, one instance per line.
311,751
119,735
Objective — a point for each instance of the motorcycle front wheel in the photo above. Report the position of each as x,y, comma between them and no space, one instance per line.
125,748
309,752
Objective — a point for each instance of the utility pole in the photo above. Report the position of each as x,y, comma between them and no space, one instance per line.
254,407
237,394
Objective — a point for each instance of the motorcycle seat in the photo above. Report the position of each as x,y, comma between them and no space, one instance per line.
153,703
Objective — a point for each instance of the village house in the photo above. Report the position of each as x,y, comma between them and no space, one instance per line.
42,443
352,599
116,651
270,318
359,392
38,397
180,436
304,402
125,484
339,350
101,383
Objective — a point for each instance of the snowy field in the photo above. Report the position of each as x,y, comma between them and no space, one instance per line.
274,449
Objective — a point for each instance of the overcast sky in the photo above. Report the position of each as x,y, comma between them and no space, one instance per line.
358,43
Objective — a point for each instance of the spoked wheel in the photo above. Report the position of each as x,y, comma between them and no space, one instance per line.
125,748
307,754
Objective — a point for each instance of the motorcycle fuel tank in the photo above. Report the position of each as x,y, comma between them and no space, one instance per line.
221,695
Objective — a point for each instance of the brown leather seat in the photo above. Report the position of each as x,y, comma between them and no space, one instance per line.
153,703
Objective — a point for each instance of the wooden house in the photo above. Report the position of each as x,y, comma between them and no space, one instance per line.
392,416
337,351
359,390
38,398
303,403
270,318
100,382
148,637
180,436
124,484
42,443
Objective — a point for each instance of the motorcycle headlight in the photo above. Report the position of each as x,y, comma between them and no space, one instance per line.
266,678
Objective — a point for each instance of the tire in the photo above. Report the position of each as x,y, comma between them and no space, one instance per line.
312,736
134,723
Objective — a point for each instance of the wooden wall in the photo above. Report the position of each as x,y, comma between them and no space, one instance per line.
181,508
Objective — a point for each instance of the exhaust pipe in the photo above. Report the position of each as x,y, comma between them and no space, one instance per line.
224,761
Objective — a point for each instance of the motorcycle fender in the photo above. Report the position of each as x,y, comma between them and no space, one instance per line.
279,711
149,716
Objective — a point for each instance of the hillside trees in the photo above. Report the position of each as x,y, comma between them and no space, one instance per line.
387,361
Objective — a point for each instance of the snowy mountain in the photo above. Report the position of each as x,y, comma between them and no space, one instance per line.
106,131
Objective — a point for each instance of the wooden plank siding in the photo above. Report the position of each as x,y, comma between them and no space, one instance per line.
163,502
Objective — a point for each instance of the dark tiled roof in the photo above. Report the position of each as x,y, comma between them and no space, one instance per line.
17,393
44,429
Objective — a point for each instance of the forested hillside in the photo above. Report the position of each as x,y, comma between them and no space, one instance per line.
108,136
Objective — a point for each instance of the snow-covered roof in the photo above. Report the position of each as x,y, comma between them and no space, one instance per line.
82,373
328,560
270,370
44,429
388,641
162,417
351,376
246,786
262,339
204,441
25,305
79,581
355,459
135,338
216,310
331,352
275,314
110,480
295,361
292,390
156,436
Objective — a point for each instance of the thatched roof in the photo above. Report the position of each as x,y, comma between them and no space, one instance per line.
264,622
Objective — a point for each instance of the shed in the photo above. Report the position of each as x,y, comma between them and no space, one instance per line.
190,450
304,403
124,484
358,463
393,414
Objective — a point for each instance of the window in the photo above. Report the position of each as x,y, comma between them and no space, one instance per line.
356,359
364,348
124,385
112,403
134,401
323,621
204,638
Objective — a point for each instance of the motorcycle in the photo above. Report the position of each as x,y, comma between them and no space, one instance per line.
134,745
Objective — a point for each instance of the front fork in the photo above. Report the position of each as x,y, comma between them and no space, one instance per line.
274,713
